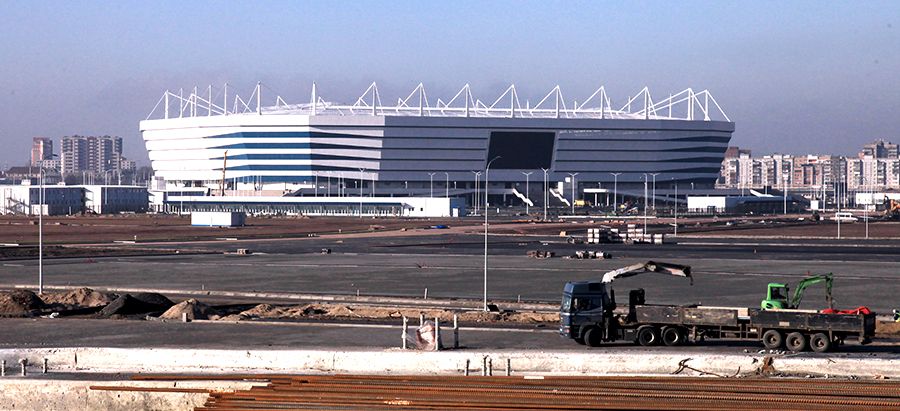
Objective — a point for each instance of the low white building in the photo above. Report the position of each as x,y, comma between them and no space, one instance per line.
331,206
27,199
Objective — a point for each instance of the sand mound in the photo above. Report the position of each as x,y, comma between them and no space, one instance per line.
320,311
82,297
19,302
194,309
889,329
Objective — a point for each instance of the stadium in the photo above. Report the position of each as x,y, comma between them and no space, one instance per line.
234,151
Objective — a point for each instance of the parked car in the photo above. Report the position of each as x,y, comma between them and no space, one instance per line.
844,217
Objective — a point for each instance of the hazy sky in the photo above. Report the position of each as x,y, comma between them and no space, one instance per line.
795,77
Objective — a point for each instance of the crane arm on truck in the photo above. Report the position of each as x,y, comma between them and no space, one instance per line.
648,267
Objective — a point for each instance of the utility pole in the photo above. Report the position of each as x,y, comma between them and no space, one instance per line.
362,171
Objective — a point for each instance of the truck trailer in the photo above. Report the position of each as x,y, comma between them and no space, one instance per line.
590,316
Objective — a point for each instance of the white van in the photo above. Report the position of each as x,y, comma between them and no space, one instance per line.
844,217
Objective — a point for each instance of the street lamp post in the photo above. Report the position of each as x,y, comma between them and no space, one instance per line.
41,235
784,196
431,185
362,171
476,199
615,191
645,204
866,184
676,210
527,175
572,175
654,191
546,197
487,171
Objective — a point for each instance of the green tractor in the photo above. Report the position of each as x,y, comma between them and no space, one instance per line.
777,297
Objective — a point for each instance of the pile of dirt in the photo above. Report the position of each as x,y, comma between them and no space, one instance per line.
19,302
194,309
139,303
82,297
322,311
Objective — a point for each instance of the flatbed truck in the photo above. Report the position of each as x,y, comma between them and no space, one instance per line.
590,316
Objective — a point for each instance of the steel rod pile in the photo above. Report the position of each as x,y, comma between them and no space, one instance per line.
356,392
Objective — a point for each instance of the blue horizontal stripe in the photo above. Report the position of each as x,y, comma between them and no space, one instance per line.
291,157
285,134
285,145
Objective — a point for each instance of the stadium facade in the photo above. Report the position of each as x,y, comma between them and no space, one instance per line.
434,149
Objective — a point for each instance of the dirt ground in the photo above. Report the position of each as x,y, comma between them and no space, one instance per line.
150,227
877,229
142,228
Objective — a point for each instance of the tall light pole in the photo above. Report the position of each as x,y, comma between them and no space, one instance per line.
837,207
546,194
572,175
476,200
645,204
867,185
676,210
431,185
487,170
446,185
654,190
784,185
527,175
41,235
362,171
615,191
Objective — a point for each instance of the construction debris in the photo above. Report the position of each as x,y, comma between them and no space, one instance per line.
540,254
139,303
589,255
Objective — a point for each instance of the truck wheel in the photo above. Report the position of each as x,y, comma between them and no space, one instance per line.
673,336
647,336
819,342
772,339
795,342
593,337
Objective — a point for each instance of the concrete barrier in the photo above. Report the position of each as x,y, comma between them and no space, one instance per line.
397,361
31,394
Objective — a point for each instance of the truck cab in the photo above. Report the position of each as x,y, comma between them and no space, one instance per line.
584,303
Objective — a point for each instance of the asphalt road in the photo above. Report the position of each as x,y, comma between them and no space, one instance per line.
725,273
69,332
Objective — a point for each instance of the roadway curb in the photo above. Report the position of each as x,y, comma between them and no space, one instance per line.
395,361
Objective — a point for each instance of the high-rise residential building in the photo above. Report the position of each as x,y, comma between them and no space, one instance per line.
91,153
41,149
880,149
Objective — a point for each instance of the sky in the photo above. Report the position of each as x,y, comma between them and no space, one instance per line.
795,76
